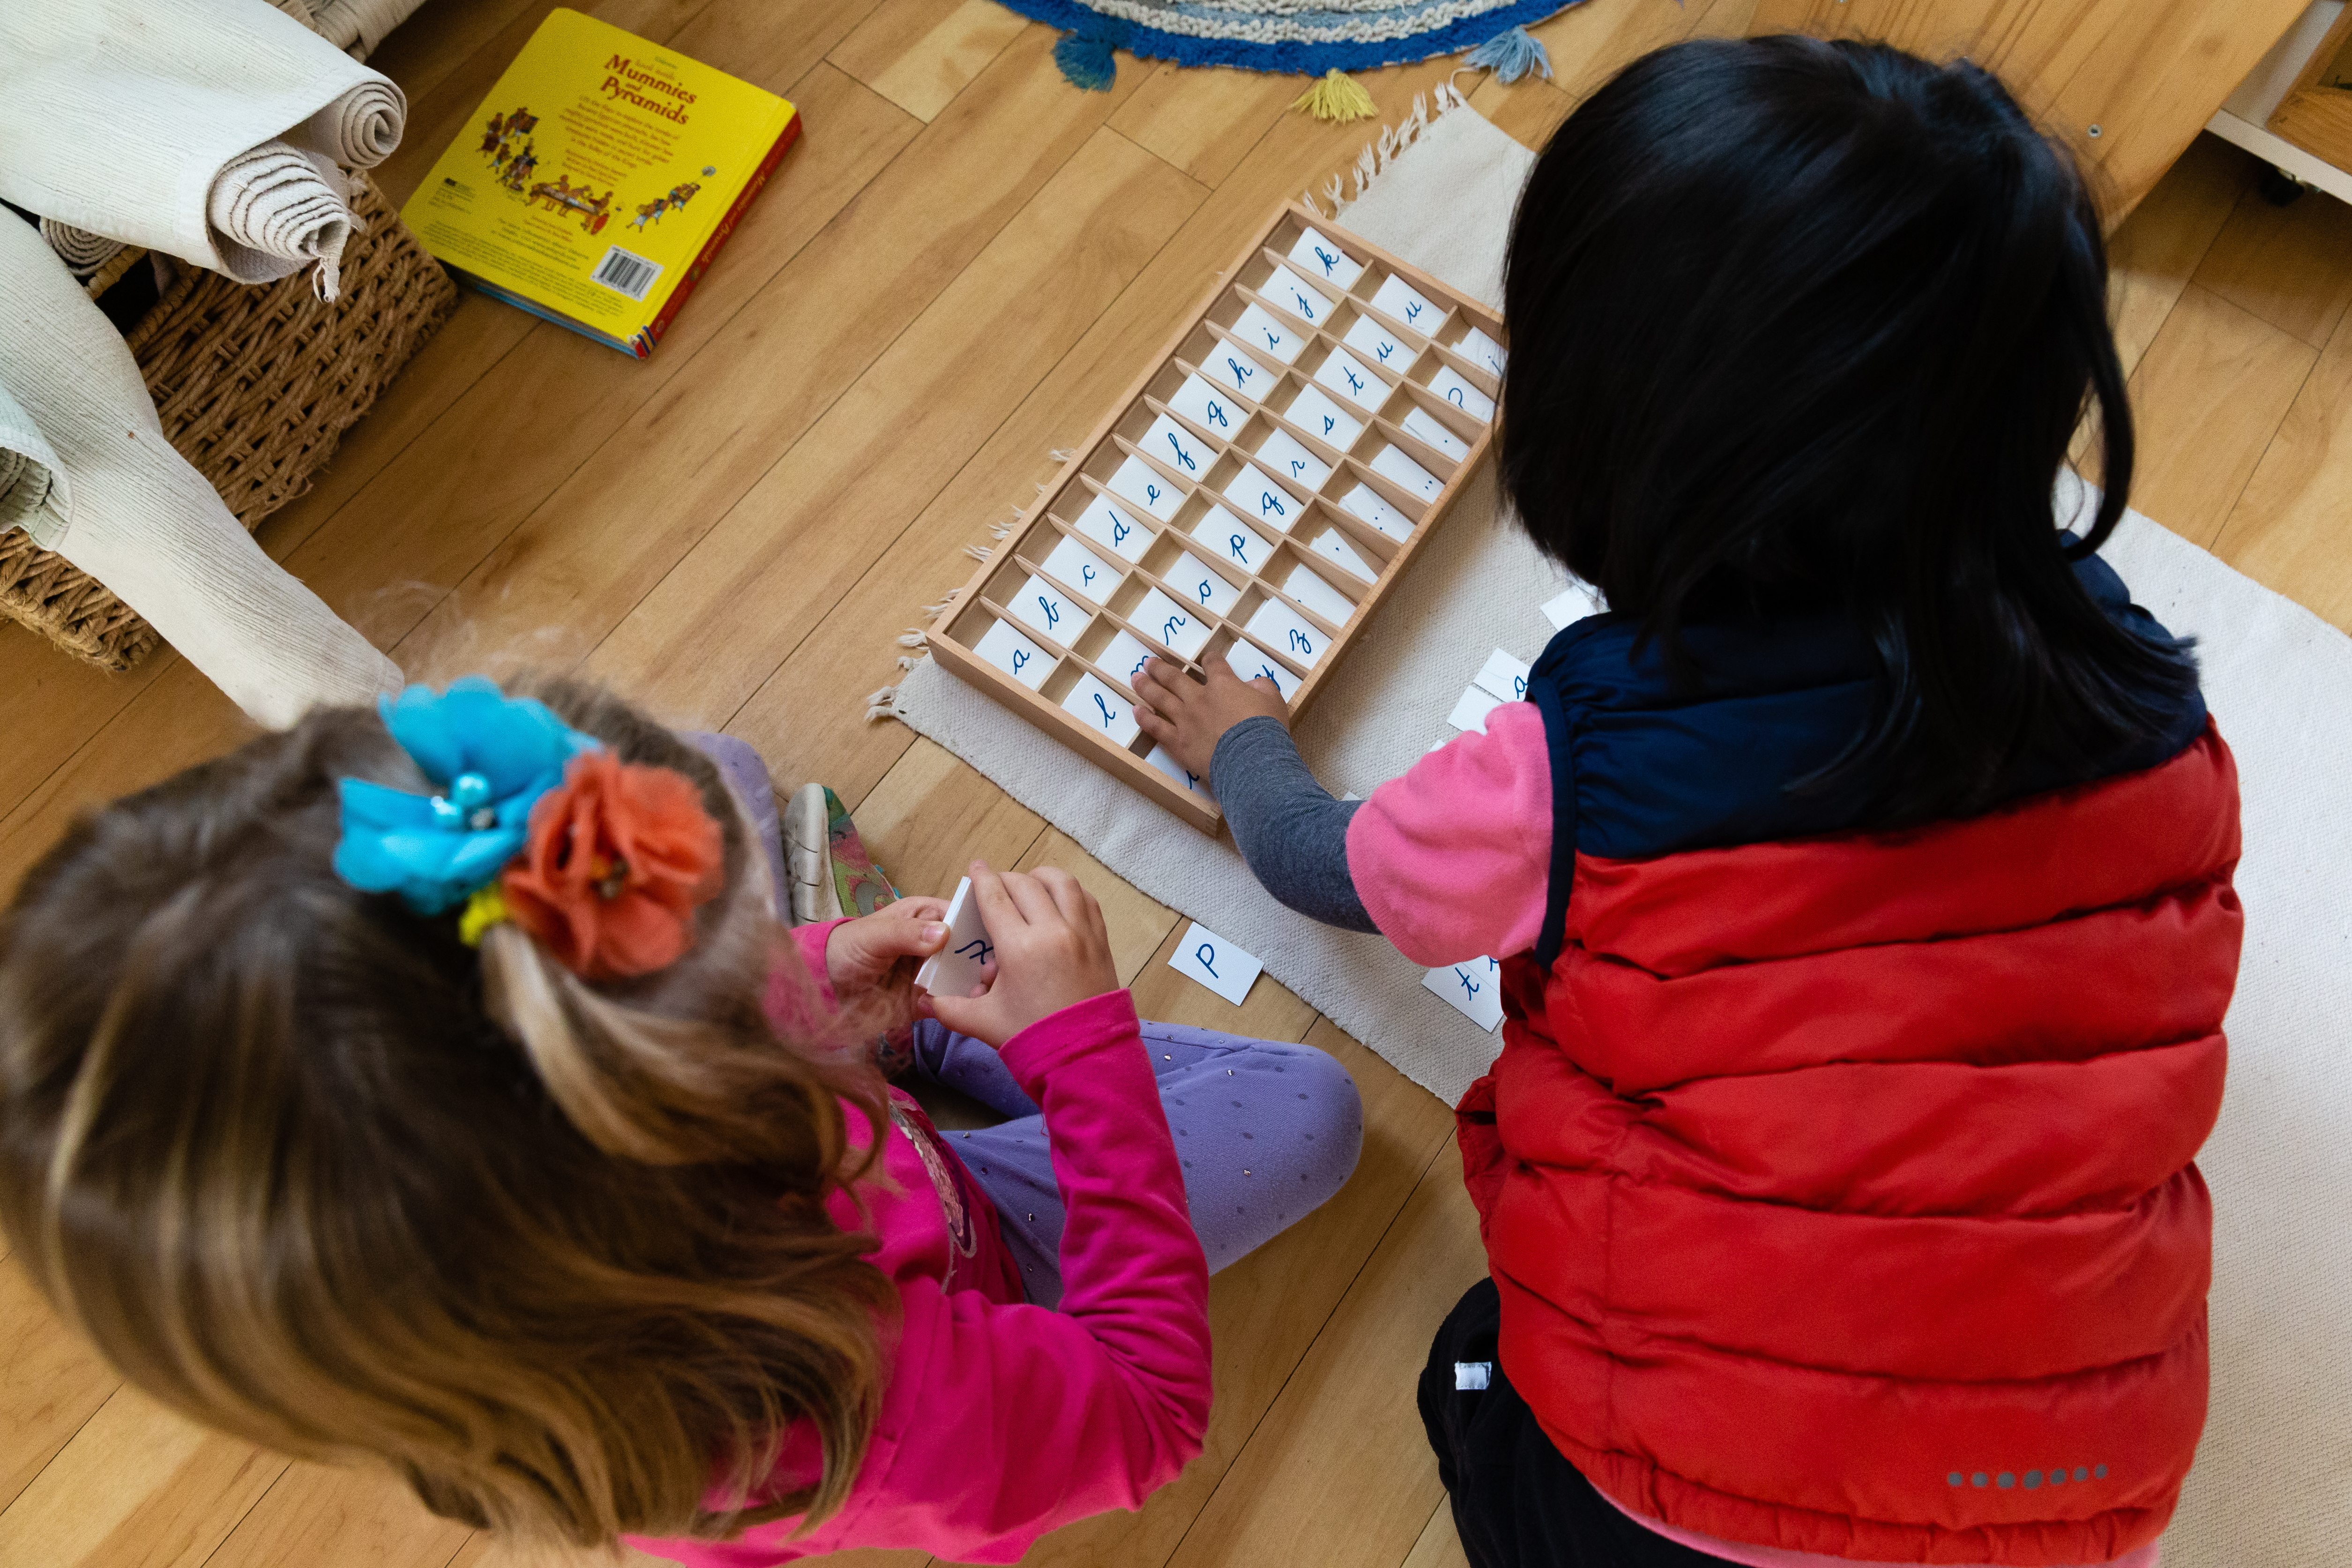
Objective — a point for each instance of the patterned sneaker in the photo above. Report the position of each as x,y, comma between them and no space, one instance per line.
832,874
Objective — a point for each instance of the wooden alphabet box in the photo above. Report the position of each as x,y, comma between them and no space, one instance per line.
1252,499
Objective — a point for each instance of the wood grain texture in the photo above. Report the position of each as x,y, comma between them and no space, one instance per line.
2154,252
51,1382
138,1487
812,524
2148,75
1439,1546
1201,121
933,814
2206,399
2291,529
919,54
313,1514
1340,1470
2285,264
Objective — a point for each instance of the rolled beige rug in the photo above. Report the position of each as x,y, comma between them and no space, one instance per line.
82,251
89,473
361,127
121,117
275,209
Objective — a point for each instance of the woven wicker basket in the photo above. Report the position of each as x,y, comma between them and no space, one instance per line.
255,387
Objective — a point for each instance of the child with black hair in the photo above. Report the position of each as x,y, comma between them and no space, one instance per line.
1860,877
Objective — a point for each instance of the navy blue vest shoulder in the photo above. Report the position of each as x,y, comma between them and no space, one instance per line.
1643,764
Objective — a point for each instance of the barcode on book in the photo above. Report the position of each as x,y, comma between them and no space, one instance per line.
625,274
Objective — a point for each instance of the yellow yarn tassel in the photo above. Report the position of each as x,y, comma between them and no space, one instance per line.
1339,97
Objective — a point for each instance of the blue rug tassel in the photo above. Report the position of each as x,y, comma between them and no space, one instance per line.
1511,55
1087,60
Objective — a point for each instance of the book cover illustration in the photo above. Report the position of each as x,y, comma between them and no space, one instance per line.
599,178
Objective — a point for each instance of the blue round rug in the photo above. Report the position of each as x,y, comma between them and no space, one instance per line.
1283,37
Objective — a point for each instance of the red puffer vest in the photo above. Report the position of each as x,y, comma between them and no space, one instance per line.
1840,1190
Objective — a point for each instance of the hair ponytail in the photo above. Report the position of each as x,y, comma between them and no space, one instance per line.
312,1170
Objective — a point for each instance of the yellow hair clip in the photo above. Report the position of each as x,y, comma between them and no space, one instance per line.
486,909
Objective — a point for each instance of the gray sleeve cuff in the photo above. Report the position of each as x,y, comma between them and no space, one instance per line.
1287,826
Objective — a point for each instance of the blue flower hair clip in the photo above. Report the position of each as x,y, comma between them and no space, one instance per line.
491,755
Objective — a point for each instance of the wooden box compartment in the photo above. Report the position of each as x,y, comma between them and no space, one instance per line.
1251,499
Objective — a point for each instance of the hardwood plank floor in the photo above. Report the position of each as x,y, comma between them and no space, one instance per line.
963,263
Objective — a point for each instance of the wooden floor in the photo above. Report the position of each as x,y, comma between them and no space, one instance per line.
964,261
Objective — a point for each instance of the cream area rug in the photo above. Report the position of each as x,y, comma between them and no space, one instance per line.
2272,1486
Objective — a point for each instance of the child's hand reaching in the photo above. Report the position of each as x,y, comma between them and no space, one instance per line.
880,951
1053,952
1188,718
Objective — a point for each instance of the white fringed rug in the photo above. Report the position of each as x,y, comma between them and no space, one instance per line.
2273,1487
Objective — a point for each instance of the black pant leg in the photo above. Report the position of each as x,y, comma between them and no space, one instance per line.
1517,1500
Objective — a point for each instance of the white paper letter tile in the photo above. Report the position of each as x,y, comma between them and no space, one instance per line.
1471,709
1284,628
1364,504
1195,582
1175,770
1205,956
1398,301
1503,676
1137,482
1123,655
1392,464
1479,349
1016,655
1229,539
1207,407
1082,572
1570,605
1454,387
1114,531
1421,423
1325,259
1229,366
1293,294
1321,417
954,970
1045,609
1158,615
1368,337
1351,380
1250,664
1256,327
1178,450
1307,586
1330,545
1262,501
1102,708
1475,988
1288,456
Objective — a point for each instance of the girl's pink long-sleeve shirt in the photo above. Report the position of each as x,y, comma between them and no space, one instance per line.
1000,1420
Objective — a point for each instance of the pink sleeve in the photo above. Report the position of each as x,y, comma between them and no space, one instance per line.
1453,860
1004,1422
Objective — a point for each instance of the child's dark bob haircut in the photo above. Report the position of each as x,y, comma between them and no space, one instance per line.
1803,327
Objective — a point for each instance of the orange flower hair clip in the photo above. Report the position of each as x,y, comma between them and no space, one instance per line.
619,857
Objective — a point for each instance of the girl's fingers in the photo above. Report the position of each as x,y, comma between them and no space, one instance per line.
1069,898
1036,904
919,909
997,910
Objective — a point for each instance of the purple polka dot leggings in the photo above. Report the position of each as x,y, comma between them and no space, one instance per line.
1265,1132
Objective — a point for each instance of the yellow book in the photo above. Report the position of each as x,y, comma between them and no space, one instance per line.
599,178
